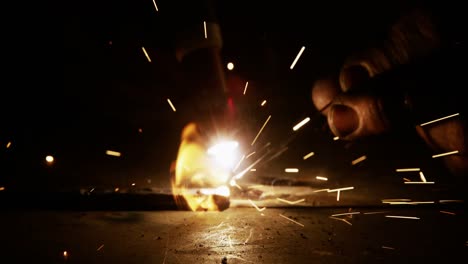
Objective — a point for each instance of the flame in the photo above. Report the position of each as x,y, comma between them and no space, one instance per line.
200,176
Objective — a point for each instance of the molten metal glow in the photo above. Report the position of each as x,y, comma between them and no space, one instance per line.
225,153
199,175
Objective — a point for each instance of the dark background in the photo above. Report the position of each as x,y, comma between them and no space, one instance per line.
90,88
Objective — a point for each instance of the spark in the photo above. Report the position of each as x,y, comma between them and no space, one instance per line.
338,196
248,238
336,138
308,155
340,189
341,219
140,130
261,129
229,240
291,170
204,27
239,163
250,155
256,207
263,103
146,54
49,159
421,182
65,254
408,169
99,248
321,178
300,124
291,202
230,66
403,217
170,103
395,200
116,189
451,201
253,169
445,154
245,88
2,188
384,247
155,6
351,213
8,144
297,58
234,183
406,179
445,212
322,190
439,119
356,161
291,220
421,175
133,184
371,213
113,153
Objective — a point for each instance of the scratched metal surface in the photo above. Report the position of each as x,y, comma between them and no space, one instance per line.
237,235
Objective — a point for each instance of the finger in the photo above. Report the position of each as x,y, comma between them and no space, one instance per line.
323,93
353,116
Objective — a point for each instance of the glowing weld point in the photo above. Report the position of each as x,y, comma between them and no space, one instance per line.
445,154
290,202
421,175
261,129
245,88
263,103
170,103
356,161
403,217
8,144
256,207
300,124
439,119
308,155
291,170
408,169
146,54
321,178
297,223
204,27
297,58
113,153
155,6
341,219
